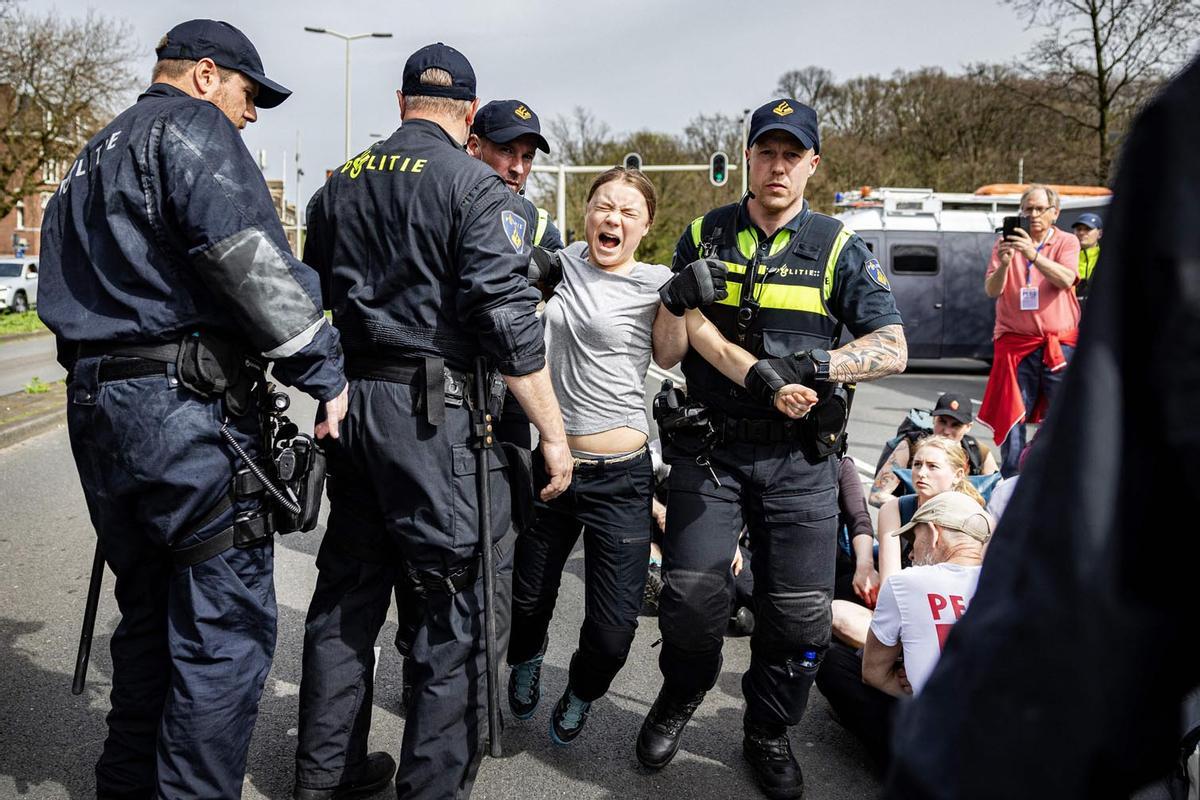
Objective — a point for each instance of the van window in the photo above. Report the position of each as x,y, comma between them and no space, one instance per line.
914,258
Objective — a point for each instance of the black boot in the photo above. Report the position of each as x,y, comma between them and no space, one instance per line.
769,752
659,738
741,623
375,774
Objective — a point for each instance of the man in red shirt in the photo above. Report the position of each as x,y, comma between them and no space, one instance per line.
1032,276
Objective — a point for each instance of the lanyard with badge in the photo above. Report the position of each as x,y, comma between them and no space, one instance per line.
1029,292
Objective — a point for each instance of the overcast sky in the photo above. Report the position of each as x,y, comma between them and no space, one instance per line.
635,65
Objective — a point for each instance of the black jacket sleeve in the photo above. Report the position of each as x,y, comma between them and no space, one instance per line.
494,297
219,206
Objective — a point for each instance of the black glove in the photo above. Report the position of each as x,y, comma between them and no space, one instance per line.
545,267
770,375
700,283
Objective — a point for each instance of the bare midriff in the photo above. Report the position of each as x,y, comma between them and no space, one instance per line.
610,442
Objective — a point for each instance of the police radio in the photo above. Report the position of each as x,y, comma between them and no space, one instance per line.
296,464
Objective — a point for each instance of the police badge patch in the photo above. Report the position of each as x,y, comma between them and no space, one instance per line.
875,272
514,229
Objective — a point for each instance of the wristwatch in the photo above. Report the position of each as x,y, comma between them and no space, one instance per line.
820,362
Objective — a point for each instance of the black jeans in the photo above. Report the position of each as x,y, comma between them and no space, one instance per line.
610,505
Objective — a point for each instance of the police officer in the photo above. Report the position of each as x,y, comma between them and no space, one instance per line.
424,253
796,278
165,276
506,136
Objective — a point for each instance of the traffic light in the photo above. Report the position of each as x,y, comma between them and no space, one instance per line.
718,168
633,161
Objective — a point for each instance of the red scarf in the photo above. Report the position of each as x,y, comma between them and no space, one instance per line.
1003,408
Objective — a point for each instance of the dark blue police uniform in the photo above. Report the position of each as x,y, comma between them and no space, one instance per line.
164,231
424,253
790,291
778,487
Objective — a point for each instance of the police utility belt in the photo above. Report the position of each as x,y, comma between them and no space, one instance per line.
290,483
441,386
821,431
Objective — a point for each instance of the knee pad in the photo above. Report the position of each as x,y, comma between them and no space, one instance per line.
607,641
694,609
788,625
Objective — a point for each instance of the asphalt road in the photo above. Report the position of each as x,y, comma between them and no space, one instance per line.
50,739
24,359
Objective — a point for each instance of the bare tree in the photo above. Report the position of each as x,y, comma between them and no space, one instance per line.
707,133
1104,58
60,80
810,85
579,138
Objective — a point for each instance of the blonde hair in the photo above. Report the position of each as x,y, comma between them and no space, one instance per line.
956,457
1051,195
446,106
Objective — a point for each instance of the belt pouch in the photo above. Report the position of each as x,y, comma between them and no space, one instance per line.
207,366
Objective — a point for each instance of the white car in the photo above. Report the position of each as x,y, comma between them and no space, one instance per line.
18,283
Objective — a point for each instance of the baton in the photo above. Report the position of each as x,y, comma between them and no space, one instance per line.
89,622
483,445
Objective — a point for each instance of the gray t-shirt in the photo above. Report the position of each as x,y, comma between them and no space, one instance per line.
598,339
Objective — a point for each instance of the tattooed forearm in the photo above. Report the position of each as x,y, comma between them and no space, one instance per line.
878,354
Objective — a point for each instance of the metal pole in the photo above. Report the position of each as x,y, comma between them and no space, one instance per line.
299,175
283,191
483,443
745,136
561,211
348,39
347,99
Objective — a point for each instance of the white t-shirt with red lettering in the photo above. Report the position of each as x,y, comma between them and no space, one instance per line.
917,607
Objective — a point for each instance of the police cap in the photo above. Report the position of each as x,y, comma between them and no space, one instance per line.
786,115
502,121
227,47
444,57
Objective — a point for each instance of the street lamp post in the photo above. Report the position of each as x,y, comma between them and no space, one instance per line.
348,38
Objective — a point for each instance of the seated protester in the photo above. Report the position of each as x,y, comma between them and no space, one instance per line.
952,417
857,579
939,465
603,324
915,612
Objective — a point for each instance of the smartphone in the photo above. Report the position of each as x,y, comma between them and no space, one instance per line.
1012,223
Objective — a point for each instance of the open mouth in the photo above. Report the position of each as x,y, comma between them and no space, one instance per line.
609,241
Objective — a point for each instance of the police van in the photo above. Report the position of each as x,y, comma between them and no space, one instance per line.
934,248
